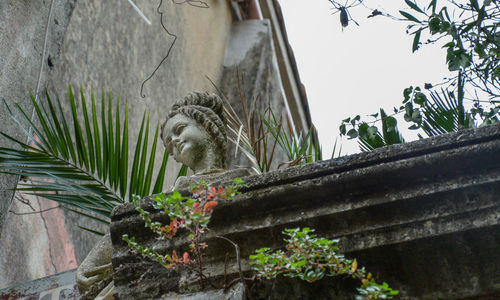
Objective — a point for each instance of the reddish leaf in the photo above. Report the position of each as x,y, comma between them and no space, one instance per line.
185,258
209,206
196,208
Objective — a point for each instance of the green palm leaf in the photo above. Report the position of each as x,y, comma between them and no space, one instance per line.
369,138
86,168
390,131
443,114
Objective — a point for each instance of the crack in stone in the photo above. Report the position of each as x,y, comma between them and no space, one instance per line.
48,237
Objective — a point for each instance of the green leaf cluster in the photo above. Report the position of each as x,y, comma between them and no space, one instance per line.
192,214
471,31
311,258
81,160
184,213
440,112
147,252
369,136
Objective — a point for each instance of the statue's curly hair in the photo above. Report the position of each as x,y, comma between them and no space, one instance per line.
208,110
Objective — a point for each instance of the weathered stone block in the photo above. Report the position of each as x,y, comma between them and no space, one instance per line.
251,71
423,216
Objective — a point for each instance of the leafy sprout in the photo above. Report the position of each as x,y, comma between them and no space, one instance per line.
311,258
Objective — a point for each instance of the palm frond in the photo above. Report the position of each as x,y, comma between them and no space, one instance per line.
91,230
86,167
390,131
369,137
443,114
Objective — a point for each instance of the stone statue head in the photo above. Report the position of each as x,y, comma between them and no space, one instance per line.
195,133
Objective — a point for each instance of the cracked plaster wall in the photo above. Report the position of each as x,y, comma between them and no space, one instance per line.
109,46
22,32
35,244
96,45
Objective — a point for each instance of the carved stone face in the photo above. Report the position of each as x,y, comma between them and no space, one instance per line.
188,141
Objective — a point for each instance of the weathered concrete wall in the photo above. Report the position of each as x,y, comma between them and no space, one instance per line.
423,216
109,46
106,45
36,242
26,236
250,54
22,33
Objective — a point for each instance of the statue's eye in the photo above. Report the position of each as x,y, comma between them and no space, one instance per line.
179,128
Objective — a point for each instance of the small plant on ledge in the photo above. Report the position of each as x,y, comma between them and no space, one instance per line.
311,258
189,213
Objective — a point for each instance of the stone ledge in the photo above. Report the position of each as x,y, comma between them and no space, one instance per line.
434,196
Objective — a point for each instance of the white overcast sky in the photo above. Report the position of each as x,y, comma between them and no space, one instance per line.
357,70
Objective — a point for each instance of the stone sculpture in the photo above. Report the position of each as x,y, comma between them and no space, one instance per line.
195,134
94,276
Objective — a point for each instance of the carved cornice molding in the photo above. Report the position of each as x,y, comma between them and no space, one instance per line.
419,214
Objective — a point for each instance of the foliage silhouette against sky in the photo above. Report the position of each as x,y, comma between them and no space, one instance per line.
356,69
